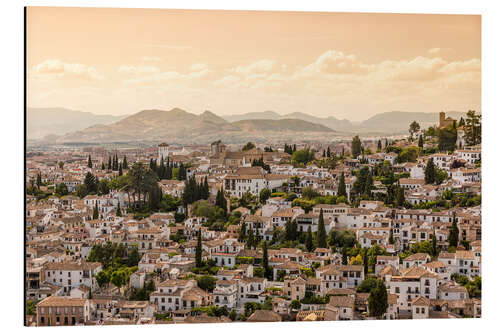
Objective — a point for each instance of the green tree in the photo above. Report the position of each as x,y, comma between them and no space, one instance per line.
248,146
447,138
473,128
342,189
295,304
430,173
81,191
103,187
61,189
102,278
414,128
90,182
309,240
264,194
391,237
303,156
118,278
95,212
434,244
377,301
268,272
39,180
118,210
206,282
356,147
233,315
198,250
400,196
453,236
367,285
89,162
250,238
321,234
420,141
30,308
125,164
344,255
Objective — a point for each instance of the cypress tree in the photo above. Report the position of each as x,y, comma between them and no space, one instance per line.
365,262
39,180
120,170
434,244
198,250
309,240
377,301
265,262
243,232
250,239
391,237
342,190
103,167
95,212
453,237
430,172
206,189
328,152
344,255
356,147
89,162
421,141
321,235
118,210
400,196
125,164
109,162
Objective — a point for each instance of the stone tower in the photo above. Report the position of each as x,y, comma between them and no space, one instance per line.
442,118
162,151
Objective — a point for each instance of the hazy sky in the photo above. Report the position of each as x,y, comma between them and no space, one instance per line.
121,61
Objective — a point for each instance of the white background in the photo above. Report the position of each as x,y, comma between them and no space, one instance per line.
12,140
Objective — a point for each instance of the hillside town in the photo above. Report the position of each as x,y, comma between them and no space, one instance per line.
365,228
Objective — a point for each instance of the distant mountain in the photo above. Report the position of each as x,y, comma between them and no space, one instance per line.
399,121
331,122
253,115
44,121
181,126
282,125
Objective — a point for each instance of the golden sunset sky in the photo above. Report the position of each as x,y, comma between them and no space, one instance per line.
347,65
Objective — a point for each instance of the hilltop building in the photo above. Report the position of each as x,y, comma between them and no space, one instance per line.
162,151
445,121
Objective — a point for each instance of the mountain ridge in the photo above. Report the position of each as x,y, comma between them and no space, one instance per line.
181,125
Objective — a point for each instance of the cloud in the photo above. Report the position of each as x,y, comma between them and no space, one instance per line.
417,69
55,68
138,69
170,77
198,67
261,66
335,62
434,50
150,59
